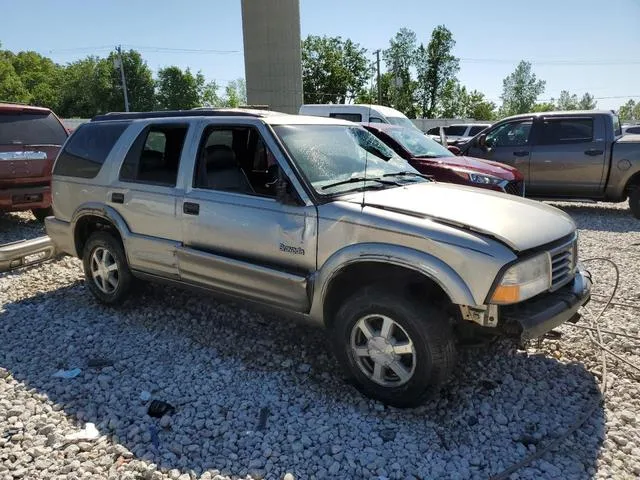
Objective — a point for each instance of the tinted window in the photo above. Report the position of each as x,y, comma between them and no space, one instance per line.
476,130
510,134
88,148
352,117
456,130
633,130
31,129
434,131
376,120
566,130
155,156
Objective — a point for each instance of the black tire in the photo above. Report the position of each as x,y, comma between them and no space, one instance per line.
42,213
98,242
426,326
634,201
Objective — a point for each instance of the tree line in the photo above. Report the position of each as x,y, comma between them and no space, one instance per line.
93,85
417,79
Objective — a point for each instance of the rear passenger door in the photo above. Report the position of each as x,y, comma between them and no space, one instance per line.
146,195
238,237
569,155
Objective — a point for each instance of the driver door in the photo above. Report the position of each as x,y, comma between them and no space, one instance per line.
509,143
239,237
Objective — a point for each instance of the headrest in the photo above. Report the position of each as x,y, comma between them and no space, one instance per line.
220,157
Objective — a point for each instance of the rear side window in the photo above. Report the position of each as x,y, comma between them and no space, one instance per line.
376,120
88,148
633,130
456,130
154,157
352,117
476,130
566,130
25,128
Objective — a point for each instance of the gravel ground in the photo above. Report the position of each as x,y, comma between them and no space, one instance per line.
264,399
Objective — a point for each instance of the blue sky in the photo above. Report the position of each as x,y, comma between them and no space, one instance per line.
577,45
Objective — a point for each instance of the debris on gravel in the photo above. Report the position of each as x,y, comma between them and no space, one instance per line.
255,396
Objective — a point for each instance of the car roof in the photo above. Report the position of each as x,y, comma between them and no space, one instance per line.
559,113
19,107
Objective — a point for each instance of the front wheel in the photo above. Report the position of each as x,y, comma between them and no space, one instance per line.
106,270
398,350
634,201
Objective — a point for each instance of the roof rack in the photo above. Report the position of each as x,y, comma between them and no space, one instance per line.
199,112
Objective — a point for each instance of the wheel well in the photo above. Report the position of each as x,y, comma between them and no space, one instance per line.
361,274
632,183
89,224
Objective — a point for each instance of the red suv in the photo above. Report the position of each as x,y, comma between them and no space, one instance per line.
429,157
30,138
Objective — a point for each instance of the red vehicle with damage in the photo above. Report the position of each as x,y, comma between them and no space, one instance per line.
30,138
429,157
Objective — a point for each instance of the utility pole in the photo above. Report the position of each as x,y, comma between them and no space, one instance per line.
124,81
377,52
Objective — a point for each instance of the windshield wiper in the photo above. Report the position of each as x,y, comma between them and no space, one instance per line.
406,174
361,180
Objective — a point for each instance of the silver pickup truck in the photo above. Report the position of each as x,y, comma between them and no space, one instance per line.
314,218
576,155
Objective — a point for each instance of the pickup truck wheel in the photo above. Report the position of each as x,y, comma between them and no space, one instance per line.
634,201
106,270
42,213
397,350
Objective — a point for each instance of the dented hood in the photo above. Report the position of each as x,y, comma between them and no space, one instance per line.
515,221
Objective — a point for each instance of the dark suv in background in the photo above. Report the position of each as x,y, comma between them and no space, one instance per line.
30,138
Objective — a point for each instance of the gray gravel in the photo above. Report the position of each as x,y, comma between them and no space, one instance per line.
258,397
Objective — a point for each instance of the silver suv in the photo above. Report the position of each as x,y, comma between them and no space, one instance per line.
314,217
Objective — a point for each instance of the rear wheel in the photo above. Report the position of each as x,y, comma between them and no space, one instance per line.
42,213
398,350
106,270
634,201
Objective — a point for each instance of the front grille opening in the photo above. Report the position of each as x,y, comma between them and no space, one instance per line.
563,265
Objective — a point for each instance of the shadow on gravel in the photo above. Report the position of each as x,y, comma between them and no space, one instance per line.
19,226
603,218
255,394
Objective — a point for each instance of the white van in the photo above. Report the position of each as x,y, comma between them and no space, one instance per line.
360,113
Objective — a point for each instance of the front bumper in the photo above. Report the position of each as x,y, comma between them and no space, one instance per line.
533,318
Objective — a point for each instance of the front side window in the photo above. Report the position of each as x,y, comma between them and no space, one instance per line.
566,130
333,158
417,144
476,130
511,134
154,157
352,117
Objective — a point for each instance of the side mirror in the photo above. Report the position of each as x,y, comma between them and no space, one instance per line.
482,141
453,149
285,193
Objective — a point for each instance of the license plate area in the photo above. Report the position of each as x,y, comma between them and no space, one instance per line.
27,198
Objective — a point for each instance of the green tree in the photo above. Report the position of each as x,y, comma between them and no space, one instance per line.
587,102
544,107
371,96
235,93
521,89
333,70
178,90
40,76
86,88
457,102
629,111
11,87
209,95
400,58
139,79
479,108
436,66
567,101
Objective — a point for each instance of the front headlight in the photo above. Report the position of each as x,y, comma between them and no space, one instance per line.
484,179
524,280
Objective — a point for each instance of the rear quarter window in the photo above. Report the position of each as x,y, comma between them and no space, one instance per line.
88,148
29,128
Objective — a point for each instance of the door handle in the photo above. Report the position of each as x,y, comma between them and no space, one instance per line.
191,208
117,197
592,152
521,153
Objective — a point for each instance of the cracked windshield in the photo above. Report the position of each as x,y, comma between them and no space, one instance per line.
333,158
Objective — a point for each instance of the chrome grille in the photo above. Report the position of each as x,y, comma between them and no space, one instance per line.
563,264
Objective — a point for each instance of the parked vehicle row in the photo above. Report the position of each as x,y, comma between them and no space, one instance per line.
457,133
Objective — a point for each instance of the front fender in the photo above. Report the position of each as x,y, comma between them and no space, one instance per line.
435,269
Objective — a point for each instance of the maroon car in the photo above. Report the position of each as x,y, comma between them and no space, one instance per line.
431,158
30,138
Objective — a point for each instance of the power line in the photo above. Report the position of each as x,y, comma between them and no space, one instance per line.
552,62
181,50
